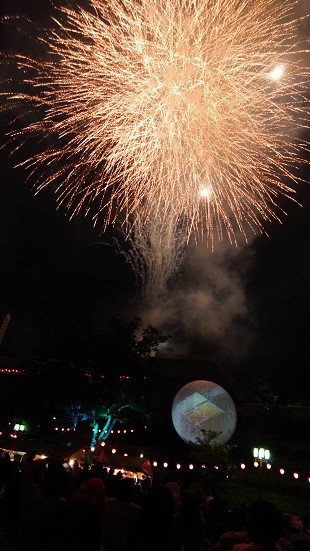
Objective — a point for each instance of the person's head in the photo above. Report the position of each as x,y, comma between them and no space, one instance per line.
176,492
293,523
92,491
159,504
55,480
126,489
265,523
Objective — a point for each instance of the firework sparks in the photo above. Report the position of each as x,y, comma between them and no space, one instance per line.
156,253
184,110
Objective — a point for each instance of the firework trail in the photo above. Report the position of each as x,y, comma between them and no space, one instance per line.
189,112
156,252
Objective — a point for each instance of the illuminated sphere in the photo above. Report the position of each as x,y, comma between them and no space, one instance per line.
203,405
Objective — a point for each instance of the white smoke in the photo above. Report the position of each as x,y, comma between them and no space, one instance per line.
208,312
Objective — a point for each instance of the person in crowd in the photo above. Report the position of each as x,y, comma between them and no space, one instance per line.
57,523
192,524
42,496
9,496
176,492
92,491
235,529
32,474
265,526
296,532
120,513
157,528
79,527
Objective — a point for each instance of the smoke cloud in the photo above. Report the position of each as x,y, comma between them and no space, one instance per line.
207,313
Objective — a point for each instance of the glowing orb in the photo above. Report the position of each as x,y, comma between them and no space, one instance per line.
203,405
277,72
206,192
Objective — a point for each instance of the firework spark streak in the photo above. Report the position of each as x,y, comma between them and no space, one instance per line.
156,252
193,108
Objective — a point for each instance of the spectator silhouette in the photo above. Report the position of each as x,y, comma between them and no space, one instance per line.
235,529
42,497
55,522
121,512
156,529
265,525
9,496
296,532
92,491
192,524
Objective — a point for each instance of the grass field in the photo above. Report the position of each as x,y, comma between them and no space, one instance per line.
289,496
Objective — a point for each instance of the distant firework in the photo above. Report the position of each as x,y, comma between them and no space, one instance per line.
190,111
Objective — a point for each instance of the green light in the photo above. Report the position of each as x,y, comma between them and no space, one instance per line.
19,426
261,453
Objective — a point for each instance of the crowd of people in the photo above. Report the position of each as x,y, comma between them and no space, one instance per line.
46,505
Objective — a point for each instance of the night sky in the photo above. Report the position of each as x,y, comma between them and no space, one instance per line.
248,308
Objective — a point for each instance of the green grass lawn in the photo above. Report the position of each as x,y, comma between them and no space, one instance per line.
289,496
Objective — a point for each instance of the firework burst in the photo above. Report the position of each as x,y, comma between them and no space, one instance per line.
189,111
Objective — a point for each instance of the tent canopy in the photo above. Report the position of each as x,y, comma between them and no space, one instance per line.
126,462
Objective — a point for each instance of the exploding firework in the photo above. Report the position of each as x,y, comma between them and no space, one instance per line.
190,112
